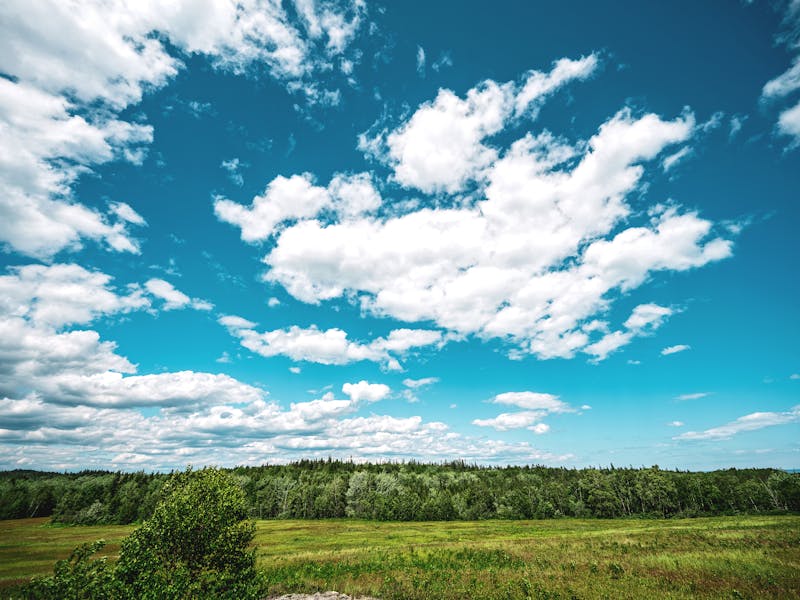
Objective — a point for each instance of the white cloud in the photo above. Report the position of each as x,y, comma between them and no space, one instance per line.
39,435
73,68
353,195
273,302
44,148
518,420
692,396
43,355
675,349
444,60
634,362
539,254
673,159
644,319
331,346
284,199
788,82
533,401
440,148
365,391
112,389
608,343
416,384
647,316
290,199
295,370
789,122
126,213
676,423
174,298
751,422
794,376
737,122
233,166
537,406
420,61
63,294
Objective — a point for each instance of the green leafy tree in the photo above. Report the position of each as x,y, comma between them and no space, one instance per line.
196,544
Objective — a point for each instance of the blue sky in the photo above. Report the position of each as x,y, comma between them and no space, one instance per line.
250,232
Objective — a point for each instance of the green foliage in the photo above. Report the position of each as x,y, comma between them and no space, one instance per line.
79,577
195,545
417,492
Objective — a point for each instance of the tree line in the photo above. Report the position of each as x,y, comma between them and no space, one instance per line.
411,491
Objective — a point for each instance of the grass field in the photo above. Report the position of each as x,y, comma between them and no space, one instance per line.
724,557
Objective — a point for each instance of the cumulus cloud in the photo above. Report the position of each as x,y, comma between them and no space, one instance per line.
363,390
534,259
506,421
44,355
536,407
62,294
295,198
675,349
441,147
751,422
37,434
284,199
330,346
533,401
61,99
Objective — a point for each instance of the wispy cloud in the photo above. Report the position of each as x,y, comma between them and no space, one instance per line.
693,396
675,349
751,422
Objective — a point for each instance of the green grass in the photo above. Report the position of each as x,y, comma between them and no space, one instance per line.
723,557
30,547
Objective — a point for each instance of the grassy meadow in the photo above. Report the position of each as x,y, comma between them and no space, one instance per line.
719,557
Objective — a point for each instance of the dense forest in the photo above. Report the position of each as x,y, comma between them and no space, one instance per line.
415,492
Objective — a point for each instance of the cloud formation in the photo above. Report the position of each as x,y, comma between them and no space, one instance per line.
675,349
71,69
44,355
330,346
540,252
787,83
751,422
35,433
441,147
536,407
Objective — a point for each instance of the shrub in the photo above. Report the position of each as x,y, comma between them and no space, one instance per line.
196,545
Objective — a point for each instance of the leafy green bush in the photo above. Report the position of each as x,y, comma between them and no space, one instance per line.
196,545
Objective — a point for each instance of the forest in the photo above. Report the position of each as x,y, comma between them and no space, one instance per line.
412,491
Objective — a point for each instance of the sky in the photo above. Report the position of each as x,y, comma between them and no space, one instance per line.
240,232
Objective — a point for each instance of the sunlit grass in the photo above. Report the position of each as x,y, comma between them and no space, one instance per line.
721,557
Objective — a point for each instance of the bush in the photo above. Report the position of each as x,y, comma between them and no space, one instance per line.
196,545
196,542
